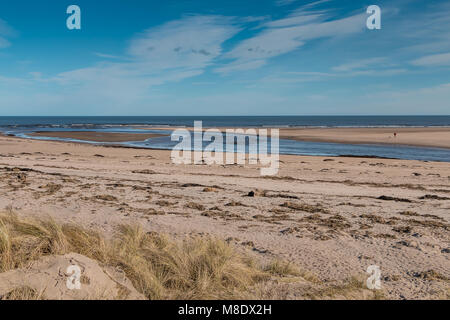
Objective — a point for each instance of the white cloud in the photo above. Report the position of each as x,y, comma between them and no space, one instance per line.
298,77
237,66
359,64
426,100
169,53
284,2
185,48
314,4
294,20
442,59
427,30
430,100
4,43
193,42
172,52
106,56
303,77
6,31
308,5
285,35
35,74
14,81
377,72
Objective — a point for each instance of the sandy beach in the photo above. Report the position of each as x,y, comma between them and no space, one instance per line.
420,136
332,216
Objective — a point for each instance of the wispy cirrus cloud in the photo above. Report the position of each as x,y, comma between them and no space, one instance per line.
285,35
171,52
359,64
292,78
6,31
107,56
192,42
427,31
433,60
284,2
308,5
240,66
325,47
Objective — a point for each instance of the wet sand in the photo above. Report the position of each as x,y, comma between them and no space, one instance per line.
420,137
332,216
423,137
97,136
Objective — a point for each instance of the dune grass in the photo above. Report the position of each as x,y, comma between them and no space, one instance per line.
23,293
158,266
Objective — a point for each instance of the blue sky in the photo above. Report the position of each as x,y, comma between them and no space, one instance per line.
253,57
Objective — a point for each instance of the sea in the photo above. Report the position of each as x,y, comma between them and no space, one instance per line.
23,126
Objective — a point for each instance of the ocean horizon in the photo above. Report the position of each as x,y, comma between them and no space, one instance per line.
232,121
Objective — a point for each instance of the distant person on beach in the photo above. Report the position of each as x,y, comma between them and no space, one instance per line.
395,134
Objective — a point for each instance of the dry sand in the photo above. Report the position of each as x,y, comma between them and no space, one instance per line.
331,216
425,137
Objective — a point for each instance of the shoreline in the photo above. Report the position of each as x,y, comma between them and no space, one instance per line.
431,137
96,136
427,138
414,137
123,147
